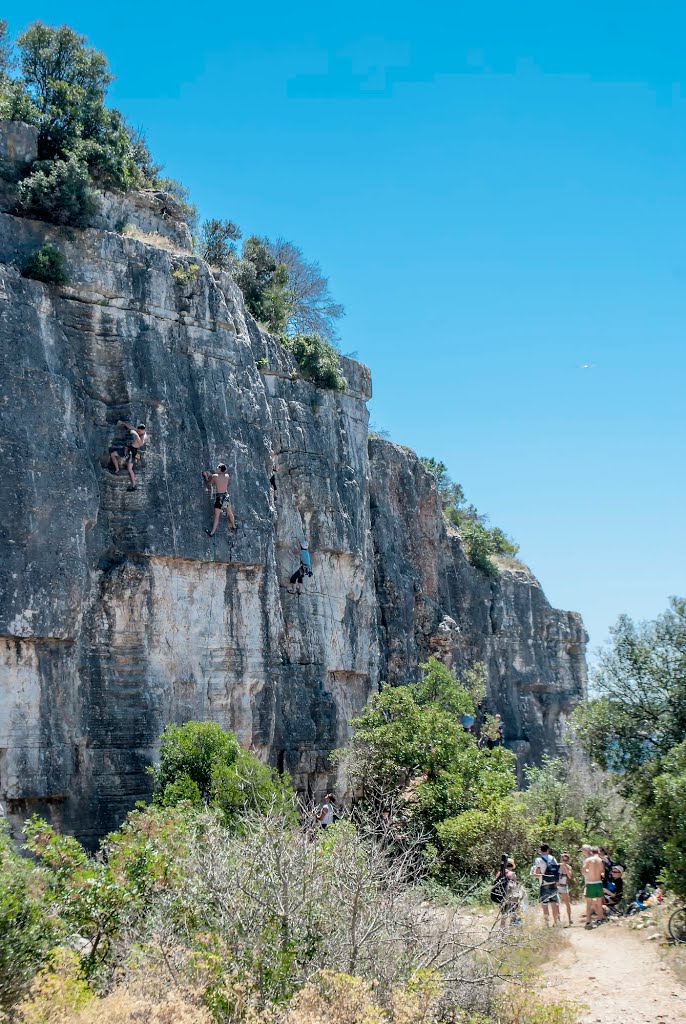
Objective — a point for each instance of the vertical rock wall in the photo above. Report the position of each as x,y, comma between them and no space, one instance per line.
118,614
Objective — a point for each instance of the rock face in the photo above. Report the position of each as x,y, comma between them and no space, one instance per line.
118,614
433,602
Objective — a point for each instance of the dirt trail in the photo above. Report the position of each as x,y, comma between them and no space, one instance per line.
619,975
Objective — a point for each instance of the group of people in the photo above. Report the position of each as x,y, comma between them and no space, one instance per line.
603,886
129,453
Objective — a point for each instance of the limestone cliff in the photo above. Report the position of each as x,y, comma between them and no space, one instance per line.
118,614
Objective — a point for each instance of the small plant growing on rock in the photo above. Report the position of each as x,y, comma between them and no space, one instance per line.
187,274
262,363
47,265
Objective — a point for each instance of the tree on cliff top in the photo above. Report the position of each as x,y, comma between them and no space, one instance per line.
311,307
59,83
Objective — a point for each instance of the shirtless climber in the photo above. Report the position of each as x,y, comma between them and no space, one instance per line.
304,570
131,452
272,478
222,502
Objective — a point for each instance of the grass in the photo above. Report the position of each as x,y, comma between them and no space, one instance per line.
152,238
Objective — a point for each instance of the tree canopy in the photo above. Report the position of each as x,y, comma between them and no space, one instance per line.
634,726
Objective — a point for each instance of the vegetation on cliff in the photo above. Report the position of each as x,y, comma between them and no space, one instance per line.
481,542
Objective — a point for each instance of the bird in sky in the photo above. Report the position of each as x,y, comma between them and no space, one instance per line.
586,366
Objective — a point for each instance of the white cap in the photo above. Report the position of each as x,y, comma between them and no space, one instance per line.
304,544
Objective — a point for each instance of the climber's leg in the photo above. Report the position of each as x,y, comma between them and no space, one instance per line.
229,515
215,520
114,459
129,470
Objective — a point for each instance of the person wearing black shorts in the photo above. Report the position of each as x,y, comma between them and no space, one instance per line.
222,501
131,453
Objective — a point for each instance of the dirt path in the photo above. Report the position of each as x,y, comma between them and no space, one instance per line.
619,975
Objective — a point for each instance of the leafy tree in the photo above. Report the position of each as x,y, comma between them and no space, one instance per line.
263,283
216,242
204,765
312,309
639,711
409,749
634,727
26,930
669,816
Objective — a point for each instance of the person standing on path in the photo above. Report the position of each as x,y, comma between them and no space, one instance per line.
563,884
547,870
593,874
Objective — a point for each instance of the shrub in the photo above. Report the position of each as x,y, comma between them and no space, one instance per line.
474,841
317,360
58,191
187,274
203,765
26,931
216,242
47,265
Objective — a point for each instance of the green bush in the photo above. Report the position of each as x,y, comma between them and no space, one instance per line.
317,360
203,765
187,274
58,191
47,265
26,929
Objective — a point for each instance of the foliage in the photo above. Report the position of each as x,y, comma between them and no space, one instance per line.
669,816
216,242
312,310
202,764
58,191
263,283
48,265
475,840
634,726
480,542
411,757
317,360
26,930
58,992
59,84
186,274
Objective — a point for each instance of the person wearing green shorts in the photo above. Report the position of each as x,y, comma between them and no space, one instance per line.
593,873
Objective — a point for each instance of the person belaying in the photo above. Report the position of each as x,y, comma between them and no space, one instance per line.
222,502
129,453
305,569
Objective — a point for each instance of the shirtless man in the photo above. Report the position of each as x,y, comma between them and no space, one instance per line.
222,502
132,451
593,870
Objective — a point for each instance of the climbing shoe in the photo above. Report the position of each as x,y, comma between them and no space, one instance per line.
131,488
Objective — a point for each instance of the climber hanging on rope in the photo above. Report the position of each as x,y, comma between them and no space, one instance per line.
305,569
131,452
272,478
222,502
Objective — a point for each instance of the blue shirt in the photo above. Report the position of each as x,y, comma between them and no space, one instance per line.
305,557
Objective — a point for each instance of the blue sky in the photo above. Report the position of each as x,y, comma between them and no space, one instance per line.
497,192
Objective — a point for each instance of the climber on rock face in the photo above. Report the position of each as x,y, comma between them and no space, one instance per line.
131,452
272,478
222,502
304,570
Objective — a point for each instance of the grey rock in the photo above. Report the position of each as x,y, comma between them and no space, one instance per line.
18,147
119,615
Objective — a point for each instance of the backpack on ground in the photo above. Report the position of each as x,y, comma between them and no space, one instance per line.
551,875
